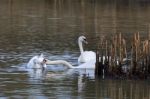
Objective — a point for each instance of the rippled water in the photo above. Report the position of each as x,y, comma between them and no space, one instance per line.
51,27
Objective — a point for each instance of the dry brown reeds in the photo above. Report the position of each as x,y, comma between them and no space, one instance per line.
113,59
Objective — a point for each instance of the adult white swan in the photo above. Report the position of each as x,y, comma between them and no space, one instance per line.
37,62
85,56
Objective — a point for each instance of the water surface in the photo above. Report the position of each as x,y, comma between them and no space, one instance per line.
51,27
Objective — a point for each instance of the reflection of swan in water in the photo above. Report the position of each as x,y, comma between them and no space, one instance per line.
37,62
37,73
80,75
85,55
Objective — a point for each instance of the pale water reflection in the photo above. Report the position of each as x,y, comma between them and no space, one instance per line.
51,27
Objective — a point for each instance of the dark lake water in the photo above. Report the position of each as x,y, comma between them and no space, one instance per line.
51,27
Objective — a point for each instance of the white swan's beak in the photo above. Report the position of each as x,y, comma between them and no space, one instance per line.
85,42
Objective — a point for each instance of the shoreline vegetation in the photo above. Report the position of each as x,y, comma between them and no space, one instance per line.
117,60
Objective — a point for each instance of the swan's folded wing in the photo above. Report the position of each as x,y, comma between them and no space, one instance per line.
89,64
89,55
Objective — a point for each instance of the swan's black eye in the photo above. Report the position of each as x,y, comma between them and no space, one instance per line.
85,39
44,60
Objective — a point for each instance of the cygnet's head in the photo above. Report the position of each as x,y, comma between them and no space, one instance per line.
82,39
40,60
37,62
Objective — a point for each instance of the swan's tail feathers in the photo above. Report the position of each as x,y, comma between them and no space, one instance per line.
49,62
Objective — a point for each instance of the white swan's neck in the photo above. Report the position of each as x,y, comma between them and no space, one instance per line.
80,46
59,62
